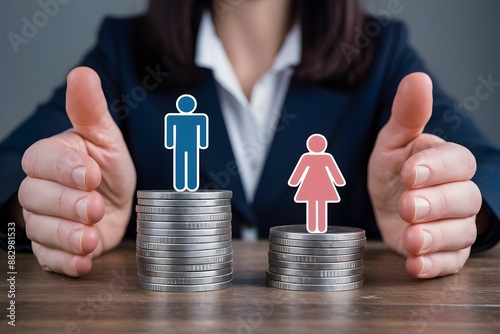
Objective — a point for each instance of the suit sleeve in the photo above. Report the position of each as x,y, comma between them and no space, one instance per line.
48,120
450,122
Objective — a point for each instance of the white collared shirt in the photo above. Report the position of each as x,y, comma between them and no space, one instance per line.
250,124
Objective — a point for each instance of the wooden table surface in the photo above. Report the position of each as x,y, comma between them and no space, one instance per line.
108,300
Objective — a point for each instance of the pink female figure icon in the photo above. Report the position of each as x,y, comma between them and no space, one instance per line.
316,174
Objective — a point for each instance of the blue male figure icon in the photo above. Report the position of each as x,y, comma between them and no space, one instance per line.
186,133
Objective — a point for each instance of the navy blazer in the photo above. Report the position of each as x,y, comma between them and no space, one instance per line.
139,95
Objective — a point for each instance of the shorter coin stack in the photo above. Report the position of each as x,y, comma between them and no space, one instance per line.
184,240
331,261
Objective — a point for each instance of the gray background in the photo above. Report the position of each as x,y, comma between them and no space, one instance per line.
458,39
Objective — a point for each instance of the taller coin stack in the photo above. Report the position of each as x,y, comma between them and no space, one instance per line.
184,240
331,261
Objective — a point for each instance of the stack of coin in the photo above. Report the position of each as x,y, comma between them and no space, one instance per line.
184,240
331,261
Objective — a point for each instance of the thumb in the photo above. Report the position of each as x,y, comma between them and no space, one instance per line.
411,110
87,108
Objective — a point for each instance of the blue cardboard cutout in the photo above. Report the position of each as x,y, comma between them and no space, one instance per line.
186,133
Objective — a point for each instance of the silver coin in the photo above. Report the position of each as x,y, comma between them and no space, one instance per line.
313,280
184,280
181,240
316,273
183,202
182,210
164,270
184,225
184,288
316,266
315,250
175,254
333,233
182,247
323,244
313,258
183,233
184,274
184,218
187,267
177,195
310,287
189,260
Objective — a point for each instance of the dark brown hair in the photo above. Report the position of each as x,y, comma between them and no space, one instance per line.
327,26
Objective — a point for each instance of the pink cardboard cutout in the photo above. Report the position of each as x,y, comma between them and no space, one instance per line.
316,174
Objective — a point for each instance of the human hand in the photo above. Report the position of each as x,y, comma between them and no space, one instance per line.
420,186
77,196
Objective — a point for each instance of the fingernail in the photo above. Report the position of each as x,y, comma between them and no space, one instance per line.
78,176
76,239
81,209
422,208
422,175
427,240
427,266
72,265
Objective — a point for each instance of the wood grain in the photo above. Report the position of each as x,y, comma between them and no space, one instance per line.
108,300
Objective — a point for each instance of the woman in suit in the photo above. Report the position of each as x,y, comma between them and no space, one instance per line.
268,73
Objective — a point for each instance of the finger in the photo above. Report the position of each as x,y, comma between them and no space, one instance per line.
443,235
437,264
58,233
87,109
61,262
51,159
442,163
411,110
53,199
451,200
